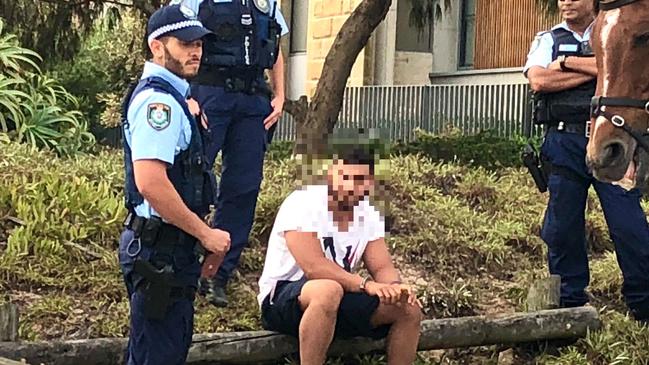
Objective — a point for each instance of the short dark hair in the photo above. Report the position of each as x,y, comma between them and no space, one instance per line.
357,155
357,146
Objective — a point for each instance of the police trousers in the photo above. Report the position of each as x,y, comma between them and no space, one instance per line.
165,341
564,225
236,121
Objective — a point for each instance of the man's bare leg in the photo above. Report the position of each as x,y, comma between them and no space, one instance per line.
319,301
404,333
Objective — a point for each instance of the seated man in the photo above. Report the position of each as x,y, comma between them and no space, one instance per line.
308,287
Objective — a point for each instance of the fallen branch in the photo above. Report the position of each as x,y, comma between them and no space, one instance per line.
262,346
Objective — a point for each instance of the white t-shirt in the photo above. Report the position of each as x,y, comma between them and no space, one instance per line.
305,210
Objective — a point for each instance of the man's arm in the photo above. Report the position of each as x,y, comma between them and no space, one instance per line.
379,262
278,84
584,65
548,80
305,248
154,185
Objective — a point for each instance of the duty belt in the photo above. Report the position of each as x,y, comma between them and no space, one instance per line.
154,231
232,81
576,128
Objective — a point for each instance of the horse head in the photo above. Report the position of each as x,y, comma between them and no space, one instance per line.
618,148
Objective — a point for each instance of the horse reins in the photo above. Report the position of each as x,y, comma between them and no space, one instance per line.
599,103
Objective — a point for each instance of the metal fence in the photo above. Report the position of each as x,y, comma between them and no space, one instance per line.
399,110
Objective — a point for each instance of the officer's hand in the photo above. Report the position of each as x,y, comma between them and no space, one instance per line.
278,107
216,241
196,111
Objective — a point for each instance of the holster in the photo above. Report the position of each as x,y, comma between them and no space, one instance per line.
536,166
156,288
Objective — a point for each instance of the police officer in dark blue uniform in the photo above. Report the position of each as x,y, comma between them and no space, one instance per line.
231,89
563,76
169,186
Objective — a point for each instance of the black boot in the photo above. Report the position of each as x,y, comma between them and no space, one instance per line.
214,292
641,315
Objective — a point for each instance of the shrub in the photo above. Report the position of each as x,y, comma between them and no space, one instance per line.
34,108
104,67
482,149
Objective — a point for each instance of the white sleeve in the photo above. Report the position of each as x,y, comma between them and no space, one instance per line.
374,225
540,52
298,214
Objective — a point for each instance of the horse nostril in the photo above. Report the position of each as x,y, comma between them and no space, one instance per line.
612,153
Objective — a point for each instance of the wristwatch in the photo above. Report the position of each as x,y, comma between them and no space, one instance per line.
562,62
364,283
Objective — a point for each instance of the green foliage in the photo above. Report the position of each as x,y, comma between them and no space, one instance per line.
622,341
34,108
57,28
104,67
466,237
483,149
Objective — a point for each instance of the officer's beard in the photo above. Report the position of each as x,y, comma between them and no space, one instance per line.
175,66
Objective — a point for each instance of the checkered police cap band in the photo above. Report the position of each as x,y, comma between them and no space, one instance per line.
173,27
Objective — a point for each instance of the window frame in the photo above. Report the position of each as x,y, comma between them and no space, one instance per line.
463,36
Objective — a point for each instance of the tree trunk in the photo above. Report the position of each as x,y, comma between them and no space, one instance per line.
262,346
324,108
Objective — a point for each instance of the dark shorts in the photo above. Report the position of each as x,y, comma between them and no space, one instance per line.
354,314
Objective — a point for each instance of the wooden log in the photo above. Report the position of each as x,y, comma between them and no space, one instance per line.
8,322
262,346
544,294
5,361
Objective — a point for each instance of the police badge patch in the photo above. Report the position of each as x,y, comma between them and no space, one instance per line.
158,116
263,5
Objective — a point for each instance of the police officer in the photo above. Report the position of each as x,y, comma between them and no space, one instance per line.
563,76
168,189
231,89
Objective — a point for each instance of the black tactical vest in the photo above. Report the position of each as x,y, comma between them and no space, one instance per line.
246,35
573,105
190,174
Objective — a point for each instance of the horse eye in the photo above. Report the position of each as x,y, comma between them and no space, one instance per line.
642,39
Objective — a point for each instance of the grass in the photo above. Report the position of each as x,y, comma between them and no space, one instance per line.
465,236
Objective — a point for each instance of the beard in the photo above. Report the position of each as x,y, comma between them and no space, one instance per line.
346,201
175,66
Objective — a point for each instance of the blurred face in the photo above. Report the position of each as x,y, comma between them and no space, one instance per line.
180,57
577,11
349,184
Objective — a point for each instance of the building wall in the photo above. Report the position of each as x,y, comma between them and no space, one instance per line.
326,17
412,68
446,34
504,32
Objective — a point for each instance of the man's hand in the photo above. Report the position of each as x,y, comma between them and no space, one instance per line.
216,241
196,111
392,294
278,107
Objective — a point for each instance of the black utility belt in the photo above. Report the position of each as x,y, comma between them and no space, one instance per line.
154,231
234,82
576,128
176,292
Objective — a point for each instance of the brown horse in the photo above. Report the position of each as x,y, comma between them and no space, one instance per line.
618,149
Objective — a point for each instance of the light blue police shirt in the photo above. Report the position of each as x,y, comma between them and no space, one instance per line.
158,128
195,4
541,50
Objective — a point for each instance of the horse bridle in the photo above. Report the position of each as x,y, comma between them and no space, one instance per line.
599,103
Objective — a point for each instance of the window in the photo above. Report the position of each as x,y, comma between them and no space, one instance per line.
467,34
